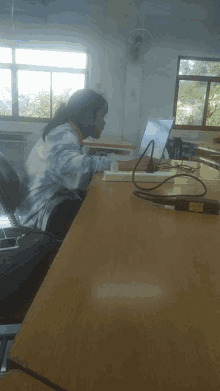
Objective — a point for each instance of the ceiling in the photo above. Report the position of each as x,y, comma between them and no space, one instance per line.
162,17
44,2
171,17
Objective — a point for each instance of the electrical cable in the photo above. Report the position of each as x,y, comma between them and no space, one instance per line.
152,151
145,193
183,167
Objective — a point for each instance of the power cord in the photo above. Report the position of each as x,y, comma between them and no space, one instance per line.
186,202
181,167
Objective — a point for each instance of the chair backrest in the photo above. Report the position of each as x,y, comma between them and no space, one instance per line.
9,184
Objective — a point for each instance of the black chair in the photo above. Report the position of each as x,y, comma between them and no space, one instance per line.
10,193
22,269
62,216
7,334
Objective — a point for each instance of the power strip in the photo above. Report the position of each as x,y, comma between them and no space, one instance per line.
139,176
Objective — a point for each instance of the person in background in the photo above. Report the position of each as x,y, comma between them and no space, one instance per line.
57,171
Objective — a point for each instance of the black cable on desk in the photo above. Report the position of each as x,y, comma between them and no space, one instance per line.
168,200
182,167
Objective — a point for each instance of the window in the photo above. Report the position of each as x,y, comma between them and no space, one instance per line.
33,82
197,94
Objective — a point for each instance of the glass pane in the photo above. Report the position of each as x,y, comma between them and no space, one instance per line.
5,92
5,55
213,112
201,68
34,94
64,85
51,58
191,102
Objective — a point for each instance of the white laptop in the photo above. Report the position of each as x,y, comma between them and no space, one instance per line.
158,130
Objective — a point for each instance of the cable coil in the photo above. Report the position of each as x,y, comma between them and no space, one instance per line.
168,200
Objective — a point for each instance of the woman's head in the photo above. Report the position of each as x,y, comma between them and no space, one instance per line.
85,108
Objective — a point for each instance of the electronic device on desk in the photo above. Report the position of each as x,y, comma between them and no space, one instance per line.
158,130
157,134
180,150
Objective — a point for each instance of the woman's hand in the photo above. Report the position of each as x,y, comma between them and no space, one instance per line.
100,153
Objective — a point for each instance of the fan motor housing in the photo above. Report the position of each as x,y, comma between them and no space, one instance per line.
139,42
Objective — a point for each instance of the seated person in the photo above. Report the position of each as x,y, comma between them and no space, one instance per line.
57,170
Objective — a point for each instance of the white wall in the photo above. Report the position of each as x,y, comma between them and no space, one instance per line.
157,78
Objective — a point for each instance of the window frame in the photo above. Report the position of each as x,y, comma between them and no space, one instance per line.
207,79
14,83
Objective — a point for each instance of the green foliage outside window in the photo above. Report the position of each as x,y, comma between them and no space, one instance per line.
192,93
40,106
34,82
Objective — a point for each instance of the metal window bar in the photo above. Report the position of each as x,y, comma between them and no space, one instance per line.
206,103
14,86
207,79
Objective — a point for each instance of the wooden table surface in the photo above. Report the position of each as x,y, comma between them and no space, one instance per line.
16,380
132,300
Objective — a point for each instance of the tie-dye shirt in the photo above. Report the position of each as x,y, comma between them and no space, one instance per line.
56,170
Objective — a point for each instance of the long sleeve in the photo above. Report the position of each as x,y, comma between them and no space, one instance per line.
70,167
54,166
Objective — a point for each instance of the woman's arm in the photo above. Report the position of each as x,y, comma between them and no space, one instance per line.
69,167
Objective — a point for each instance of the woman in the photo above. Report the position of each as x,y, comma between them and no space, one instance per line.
58,173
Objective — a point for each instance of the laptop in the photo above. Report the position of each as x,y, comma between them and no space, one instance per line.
158,130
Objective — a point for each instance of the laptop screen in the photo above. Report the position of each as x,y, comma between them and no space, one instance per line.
159,131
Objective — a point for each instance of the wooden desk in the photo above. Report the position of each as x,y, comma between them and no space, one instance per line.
20,381
132,300
112,143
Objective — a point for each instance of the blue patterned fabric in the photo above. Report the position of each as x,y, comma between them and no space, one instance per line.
56,170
